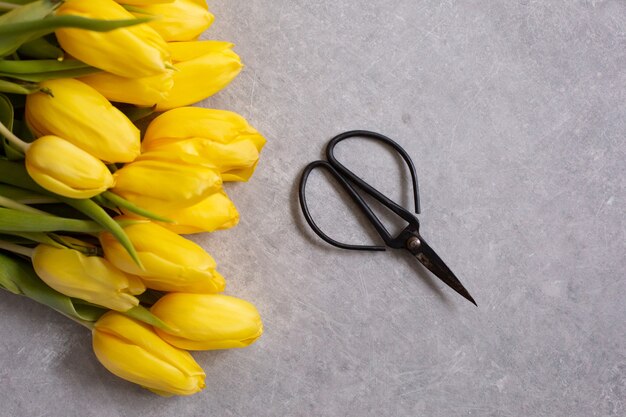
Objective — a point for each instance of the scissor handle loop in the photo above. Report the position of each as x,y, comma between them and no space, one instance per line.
355,197
399,210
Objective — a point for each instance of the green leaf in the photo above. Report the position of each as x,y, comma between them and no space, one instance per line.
32,12
18,1
97,213
36,70
19,221
41,48
15,174
6,112
19,277
40,237
51,23
7,115
6,118
15,205
125,204
103,202
17,87
58,241
39,65
90,312
143,314
23,196
52,75
9,272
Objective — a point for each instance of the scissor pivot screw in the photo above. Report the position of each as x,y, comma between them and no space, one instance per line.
413,243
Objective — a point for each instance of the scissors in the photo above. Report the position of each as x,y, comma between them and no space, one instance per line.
408,239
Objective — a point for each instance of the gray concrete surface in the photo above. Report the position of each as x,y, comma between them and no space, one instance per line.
514,112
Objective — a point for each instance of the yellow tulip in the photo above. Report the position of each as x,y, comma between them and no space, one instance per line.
213,213
62,168
90,278
180,20
146,182
203,69
143,2
82,116
207,321
210,137
146,91
133,51
170,262
133,351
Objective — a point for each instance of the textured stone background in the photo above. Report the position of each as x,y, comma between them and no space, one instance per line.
514,112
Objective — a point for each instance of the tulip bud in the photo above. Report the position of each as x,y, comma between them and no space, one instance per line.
133,351
203,69
82,116
214,138
213,213
143,2
165,183
145,91
207,321
180,20
62,168
90,278
170,262
133,51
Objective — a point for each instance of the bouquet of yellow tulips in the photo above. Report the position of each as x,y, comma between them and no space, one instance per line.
91,212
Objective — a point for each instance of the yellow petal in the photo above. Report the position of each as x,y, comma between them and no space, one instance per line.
82,116
213,213
208,321
62,168
196,122
170,183
186,51
214,138
131,350
146,91
170,262
144,2
90,278
180,20
134,51
201,77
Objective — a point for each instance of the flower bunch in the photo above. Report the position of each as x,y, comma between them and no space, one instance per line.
91,210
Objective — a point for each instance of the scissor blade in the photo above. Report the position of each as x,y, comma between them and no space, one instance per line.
427,256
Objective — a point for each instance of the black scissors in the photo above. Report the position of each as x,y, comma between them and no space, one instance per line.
409,238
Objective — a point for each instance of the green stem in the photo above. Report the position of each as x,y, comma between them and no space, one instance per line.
12,247
7,202
125,204
23,146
